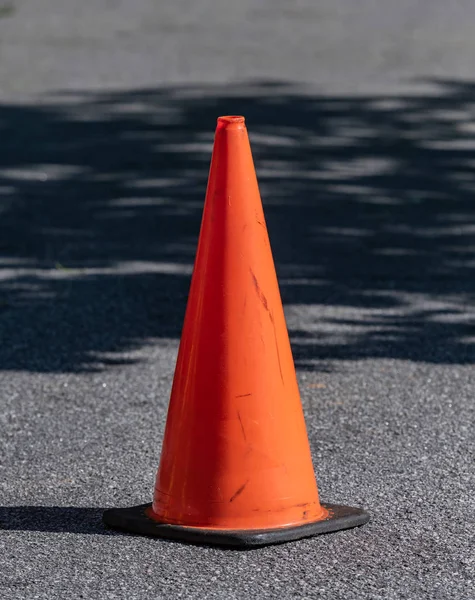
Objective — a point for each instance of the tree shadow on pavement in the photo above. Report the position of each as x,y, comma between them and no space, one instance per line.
368,200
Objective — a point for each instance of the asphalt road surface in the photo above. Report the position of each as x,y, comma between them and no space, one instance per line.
362,122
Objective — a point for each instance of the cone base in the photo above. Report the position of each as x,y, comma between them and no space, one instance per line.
135,520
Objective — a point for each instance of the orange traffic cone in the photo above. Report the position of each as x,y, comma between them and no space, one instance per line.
235,467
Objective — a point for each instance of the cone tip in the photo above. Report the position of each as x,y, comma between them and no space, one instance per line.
231,122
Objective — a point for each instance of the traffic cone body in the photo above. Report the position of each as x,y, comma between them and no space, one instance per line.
235,456
235,453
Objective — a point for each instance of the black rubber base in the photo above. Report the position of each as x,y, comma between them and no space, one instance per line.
135,520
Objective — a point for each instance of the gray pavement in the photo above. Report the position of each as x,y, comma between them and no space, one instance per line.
362,123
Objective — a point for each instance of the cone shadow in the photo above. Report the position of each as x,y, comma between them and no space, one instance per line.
53,519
